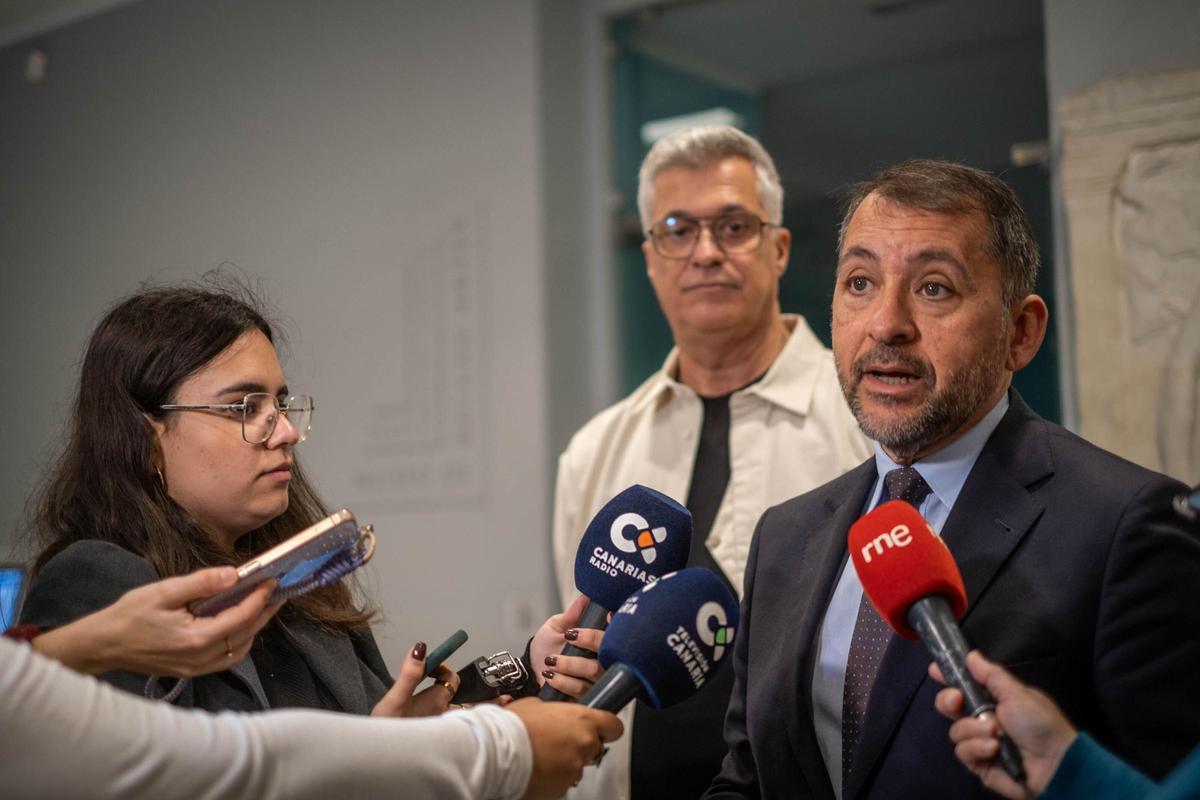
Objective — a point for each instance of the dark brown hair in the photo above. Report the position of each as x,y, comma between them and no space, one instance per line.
104,484
947,188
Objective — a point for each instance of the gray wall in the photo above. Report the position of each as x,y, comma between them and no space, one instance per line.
576,208
1086,42
376,166
1089,40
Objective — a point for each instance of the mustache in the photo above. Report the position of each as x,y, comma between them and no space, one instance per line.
882,353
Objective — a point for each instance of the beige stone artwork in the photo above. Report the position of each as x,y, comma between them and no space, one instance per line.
1131,186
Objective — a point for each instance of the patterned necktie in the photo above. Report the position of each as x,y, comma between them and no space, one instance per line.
871,633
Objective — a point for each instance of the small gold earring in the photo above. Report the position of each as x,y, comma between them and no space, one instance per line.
161,479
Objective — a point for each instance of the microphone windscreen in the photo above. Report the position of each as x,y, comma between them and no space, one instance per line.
637,537
673,634
899,560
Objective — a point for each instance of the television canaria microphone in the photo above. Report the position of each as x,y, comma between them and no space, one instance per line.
636,538
911,579
666,641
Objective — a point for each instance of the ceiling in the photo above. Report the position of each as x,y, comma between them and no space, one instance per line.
758,45
749,44
24,19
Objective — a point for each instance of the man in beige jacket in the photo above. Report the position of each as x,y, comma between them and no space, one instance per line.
745,413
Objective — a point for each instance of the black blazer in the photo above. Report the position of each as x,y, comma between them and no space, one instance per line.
1079,577
91,574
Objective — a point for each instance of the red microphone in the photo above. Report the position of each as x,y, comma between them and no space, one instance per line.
909,575
900,560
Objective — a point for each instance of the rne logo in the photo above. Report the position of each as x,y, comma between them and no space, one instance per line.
899,536
718,636
644,537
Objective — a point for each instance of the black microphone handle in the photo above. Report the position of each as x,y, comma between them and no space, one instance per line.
472,688
615,690
933,620
594,616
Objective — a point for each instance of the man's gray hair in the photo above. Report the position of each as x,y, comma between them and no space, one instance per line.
694,148
944,187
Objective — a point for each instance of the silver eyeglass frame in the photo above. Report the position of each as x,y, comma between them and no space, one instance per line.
280,411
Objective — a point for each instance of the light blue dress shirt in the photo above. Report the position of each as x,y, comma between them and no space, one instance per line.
945,471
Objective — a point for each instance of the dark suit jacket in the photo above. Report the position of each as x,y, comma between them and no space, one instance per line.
1079,577
91,574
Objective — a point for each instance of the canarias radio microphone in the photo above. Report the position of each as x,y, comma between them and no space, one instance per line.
635,539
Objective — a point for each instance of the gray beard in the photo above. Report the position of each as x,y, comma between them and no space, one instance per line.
943,413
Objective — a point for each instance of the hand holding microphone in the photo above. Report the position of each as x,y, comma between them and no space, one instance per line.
666,641
570,674
565,738
1029,717
637,537
911,579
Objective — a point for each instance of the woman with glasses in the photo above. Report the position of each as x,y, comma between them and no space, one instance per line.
180,454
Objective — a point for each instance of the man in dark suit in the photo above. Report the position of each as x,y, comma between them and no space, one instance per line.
1078,575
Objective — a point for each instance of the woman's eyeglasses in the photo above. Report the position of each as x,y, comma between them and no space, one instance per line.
260,414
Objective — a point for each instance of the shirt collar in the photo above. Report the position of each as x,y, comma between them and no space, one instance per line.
946,470
789,382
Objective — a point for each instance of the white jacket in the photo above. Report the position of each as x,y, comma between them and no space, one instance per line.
788,433
65,735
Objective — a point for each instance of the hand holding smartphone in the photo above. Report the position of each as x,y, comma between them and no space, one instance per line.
316,556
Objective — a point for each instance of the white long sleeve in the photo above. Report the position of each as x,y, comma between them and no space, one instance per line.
66,735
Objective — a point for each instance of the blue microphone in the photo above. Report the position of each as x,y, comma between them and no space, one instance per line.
666,641
636,538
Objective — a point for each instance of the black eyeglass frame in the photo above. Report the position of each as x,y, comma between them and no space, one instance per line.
711,221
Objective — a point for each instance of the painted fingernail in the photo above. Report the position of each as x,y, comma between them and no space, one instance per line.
551,661
547,674
419,651
571,635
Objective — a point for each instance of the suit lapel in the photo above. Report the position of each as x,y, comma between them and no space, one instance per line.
993,513
995,509
332,659
820,563
245,670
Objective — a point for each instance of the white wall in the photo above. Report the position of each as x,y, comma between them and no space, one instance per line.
376,166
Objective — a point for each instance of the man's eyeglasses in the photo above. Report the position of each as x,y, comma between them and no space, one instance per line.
677,235
260,414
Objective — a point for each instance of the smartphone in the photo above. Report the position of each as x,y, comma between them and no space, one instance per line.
435,657
289,562
12,586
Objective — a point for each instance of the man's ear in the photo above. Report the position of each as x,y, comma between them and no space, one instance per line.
783,250
1029,319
